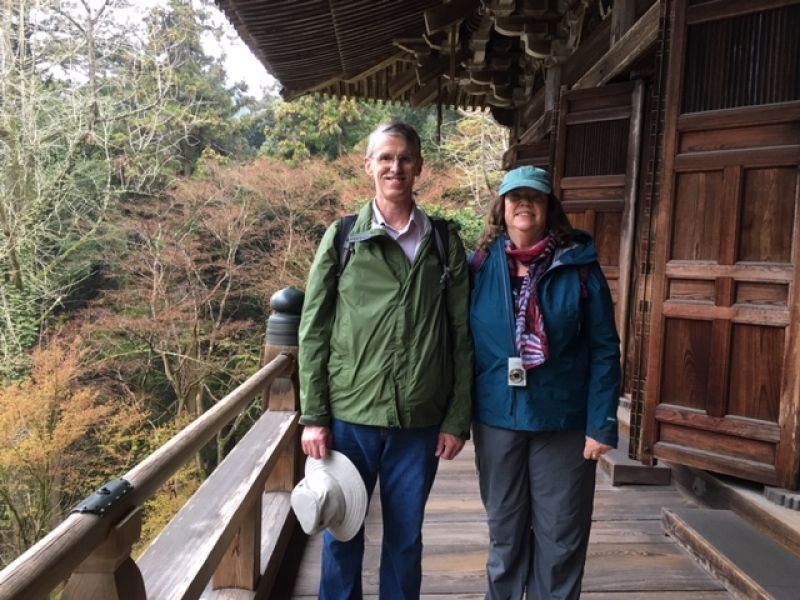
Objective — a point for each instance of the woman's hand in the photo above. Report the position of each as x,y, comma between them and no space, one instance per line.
593,449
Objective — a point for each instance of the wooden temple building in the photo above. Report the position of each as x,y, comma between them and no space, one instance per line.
672,129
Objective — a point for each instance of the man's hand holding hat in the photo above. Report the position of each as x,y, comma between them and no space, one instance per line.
316,441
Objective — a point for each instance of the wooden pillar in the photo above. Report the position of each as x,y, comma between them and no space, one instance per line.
109,573
552,88
623,16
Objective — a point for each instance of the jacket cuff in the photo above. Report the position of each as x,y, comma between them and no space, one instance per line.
456,431
604,437
319,421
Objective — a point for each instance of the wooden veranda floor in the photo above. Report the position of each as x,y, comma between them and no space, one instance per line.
629,555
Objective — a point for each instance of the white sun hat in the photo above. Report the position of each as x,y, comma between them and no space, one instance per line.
331,496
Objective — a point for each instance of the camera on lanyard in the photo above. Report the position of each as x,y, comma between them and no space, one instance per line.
517,376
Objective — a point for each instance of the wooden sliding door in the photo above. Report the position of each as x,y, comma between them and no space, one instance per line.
724,355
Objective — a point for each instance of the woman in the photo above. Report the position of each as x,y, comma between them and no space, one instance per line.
546,388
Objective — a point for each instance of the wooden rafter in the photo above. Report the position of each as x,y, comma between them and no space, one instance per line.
442,17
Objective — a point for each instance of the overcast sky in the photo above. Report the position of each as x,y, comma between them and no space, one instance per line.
240,63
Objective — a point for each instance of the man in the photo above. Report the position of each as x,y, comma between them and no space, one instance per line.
386,363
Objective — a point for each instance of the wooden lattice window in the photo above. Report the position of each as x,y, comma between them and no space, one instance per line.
743,61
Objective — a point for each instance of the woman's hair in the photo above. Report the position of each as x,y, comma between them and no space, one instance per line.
557,222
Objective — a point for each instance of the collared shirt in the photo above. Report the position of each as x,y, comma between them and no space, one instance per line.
411,236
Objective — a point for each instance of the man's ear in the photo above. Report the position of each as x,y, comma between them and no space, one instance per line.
368,165
419,167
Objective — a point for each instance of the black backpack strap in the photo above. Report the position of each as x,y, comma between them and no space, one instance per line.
441,238
344,245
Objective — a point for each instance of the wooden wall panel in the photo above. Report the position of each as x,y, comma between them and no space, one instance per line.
733,138
767,214
761,294
755,382
718,443
607,227
687,351
697,216
692,290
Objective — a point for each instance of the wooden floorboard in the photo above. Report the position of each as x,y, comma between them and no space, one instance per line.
630,557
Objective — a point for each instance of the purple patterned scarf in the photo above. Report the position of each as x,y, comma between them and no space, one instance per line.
531,337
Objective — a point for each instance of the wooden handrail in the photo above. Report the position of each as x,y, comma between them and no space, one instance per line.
154,471
50,561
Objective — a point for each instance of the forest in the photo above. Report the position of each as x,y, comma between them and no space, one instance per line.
148,211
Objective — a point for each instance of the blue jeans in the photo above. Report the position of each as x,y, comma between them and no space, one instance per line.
405,462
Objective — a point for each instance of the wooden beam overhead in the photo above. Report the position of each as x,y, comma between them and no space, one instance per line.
636,41
436,66
586,55
439,40
501,7
530,8
540,128
516,26
425,93
480,40
537,48
623,16
552,87
475,89
402,83
443,16
416,46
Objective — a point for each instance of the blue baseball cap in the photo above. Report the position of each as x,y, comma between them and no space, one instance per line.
527,176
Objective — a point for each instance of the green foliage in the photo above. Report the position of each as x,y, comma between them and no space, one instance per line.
470,223
313,126
322,126
152,209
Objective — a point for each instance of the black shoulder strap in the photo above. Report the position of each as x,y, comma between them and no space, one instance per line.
344,247
441,238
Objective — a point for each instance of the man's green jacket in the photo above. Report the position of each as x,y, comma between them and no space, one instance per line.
386,344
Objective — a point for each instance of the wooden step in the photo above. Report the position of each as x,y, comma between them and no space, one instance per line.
745,498
622,470
747,562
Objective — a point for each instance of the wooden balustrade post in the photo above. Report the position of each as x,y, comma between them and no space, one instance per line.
240,567
284,393
109,573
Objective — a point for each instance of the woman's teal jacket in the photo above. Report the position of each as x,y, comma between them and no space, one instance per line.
577,388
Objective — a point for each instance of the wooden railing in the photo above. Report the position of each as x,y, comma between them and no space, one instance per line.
231,533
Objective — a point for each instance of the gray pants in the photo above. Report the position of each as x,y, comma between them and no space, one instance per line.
538,491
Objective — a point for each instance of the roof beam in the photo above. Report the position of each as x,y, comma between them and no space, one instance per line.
621,55
623,16
402,83
443,16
